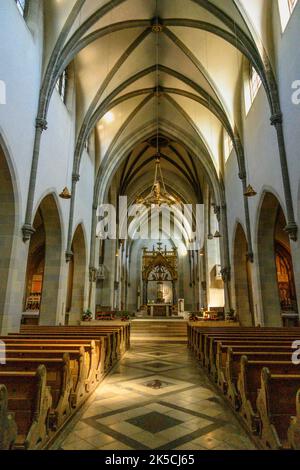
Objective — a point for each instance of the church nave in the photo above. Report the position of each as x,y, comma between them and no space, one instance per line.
183,413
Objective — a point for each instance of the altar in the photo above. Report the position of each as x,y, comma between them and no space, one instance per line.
160,310
159,277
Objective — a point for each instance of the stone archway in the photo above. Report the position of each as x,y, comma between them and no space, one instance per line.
7,226
242,279
76,278
44,263
271,236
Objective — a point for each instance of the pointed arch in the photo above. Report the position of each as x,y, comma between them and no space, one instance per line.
7,224
42,290
278,309
242,278
77,277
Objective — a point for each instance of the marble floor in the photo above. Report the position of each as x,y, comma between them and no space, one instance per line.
157,397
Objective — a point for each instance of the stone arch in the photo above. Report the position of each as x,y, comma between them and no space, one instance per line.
271,236
242,278
44,262
76,277
7,226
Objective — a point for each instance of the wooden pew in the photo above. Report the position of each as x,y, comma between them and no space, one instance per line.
76,359
229,355
8,427
110,349
294,428
78,354
211,349
122,332
276,405
249,378
59,381
204,337
30,400
95,363
250,389
218,363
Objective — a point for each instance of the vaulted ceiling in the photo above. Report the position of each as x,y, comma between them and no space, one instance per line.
167,67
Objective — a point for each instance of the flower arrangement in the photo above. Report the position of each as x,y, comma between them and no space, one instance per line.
193,317
87,315
124,315
230,315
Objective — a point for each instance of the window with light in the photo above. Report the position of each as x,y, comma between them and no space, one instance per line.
22,6
254,82
61,86
286,8
228,146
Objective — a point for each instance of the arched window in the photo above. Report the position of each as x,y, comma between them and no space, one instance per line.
62,85
286,8
22,6
254,81
228,146
87,145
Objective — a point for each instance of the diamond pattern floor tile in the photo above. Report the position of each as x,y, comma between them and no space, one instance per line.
156,398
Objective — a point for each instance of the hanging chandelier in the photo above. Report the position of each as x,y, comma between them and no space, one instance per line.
250,192
65,194
158,194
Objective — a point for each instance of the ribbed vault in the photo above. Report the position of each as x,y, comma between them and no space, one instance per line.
193,54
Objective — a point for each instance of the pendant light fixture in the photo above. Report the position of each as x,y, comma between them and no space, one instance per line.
65,194
250,191
158,194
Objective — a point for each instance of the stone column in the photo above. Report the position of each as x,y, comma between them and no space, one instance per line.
291,228
27,229
75,179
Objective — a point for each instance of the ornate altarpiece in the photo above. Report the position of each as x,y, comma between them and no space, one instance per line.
159,265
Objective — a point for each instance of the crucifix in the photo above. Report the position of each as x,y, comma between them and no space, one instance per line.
159,245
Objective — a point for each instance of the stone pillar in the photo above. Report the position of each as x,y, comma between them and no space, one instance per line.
291,228
75,179
27,229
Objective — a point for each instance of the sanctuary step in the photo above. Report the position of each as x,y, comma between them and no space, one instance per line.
171,331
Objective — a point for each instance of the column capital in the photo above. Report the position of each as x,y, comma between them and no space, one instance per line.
250,256
69,256
217,210
242,175
92,273
226,274
276,119
41,123
28,231
75,177
292,230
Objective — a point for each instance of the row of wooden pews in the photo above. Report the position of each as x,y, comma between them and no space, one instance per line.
48,373
253,367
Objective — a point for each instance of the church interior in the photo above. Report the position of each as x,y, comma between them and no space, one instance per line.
149,225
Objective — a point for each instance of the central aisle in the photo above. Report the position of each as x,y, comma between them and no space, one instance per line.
157,397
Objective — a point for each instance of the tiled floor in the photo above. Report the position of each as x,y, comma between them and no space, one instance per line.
157,397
